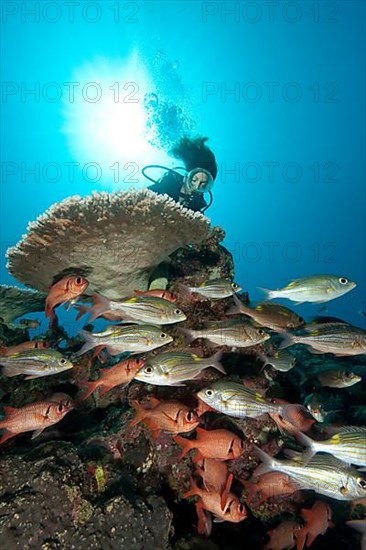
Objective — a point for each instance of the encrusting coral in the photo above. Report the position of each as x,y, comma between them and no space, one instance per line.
115,240
15,302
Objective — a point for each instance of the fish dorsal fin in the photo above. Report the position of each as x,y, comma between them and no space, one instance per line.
294,283
133,299
9,410
351,429
327,461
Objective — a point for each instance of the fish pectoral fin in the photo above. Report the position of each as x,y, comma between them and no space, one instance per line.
216,519
343,490
174,418
37,433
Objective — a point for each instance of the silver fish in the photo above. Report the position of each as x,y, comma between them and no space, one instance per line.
172,368
316,408
266,314
138,309
131,338
281,360
359,525
338,378
34,363
215,289
324,474
231,332
349,445
236,400
315,288
340,339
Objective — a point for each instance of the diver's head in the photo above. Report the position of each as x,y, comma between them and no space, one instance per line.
198,180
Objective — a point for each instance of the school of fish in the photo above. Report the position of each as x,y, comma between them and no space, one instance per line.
329,465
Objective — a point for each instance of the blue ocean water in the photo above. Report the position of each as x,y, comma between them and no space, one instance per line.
278,87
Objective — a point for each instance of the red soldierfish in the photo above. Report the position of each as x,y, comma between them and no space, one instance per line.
317,520
231,509
169,416
218,444
269,485
215,477
214,474
32,344
298,419
33,417
283,536
68,288
121,373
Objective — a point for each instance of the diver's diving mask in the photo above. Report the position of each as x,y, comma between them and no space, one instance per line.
199,180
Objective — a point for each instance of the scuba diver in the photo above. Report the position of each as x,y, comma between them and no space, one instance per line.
200,172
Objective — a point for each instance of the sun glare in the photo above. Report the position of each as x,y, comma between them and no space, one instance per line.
106,122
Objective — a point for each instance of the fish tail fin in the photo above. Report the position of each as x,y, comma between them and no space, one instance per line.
48,309
204,525
186,444
301,538
239,307
216,361
90,386
270,294
189,335
140,413
89,342
105,389
267,462
307,442
6,435
82,311
185,292
193,491
8,372
100,306
287,340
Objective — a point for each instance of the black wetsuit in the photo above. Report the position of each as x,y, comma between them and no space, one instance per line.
171,184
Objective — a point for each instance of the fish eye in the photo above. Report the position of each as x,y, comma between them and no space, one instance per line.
343,280
260,331
189,416
240,508
348,374
178,312
60,407
79,280
234,286
209,393
362,482
148,370
62,361
163,335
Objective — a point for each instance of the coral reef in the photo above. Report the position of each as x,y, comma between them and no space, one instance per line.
116,240
95,481
15,302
